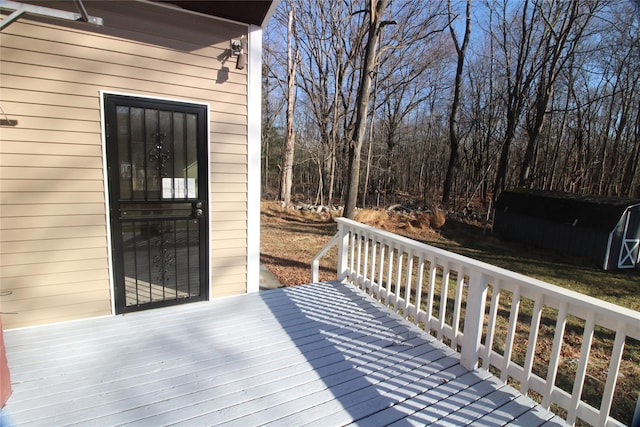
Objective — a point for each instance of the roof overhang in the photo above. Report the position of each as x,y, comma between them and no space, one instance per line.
255,12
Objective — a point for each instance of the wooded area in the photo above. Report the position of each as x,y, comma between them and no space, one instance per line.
465,99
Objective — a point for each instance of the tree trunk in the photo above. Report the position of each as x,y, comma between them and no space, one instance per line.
288,152
376,10
454,139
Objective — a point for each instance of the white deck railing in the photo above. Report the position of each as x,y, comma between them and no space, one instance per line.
489,314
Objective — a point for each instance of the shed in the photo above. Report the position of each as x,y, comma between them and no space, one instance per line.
605,230
129,155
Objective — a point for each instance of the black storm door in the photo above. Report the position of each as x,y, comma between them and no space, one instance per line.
157,157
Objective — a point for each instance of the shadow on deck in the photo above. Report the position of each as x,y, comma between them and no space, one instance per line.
320,354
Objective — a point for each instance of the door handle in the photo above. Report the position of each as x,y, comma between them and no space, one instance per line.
198,212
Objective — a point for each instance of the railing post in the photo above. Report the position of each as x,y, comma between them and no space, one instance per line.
473,320
343,251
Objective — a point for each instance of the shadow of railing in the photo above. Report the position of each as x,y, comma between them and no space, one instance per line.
368,365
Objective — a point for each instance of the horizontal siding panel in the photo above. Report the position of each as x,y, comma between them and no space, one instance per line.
223,178
14,223
229,216
33,97
233,242
228,207
85,243
54,267
228,225
227,188
232,270
225,117
52,111
225,102
44,315
220,264
229,289
43,148
220,236
33,280
29,185
225,278
228,252
228,197
50,173
238,147
230,139
53,209
223,128
75,298
50,136
144,78
46,162
227,168
53,233
68,65
152,54
37,257
239,159
59,125
50,197
49,291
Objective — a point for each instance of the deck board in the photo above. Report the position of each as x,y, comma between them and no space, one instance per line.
320,354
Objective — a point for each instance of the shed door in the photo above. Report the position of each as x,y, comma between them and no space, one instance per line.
630,248
156,155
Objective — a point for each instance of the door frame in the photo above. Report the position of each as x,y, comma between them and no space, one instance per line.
105,179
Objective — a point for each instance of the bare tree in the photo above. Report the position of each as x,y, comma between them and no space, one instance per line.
288,152
375,9
454,133
564,26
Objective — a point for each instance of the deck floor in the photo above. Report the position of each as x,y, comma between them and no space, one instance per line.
319,354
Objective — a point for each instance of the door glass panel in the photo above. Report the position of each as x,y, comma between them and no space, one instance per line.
191,165
161,261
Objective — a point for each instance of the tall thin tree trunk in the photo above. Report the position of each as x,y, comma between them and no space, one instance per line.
286,180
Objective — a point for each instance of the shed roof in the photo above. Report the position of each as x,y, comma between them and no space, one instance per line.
580,210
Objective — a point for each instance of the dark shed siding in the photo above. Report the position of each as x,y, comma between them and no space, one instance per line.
571,224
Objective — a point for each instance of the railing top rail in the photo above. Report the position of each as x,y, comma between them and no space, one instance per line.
598,306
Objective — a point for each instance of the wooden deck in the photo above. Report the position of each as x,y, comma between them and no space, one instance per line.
320,354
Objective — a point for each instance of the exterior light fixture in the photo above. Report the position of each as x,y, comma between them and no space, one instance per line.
237,50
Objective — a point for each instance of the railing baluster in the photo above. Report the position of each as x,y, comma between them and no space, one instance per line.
352,249
365,264
554,361
444,291
383,248
432,286
389,273
533,341
397,291
455,325
581,371
359,259
419,288
612,374
372,274
491,325
407,286
511,332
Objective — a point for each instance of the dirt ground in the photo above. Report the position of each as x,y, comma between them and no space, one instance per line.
290,238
